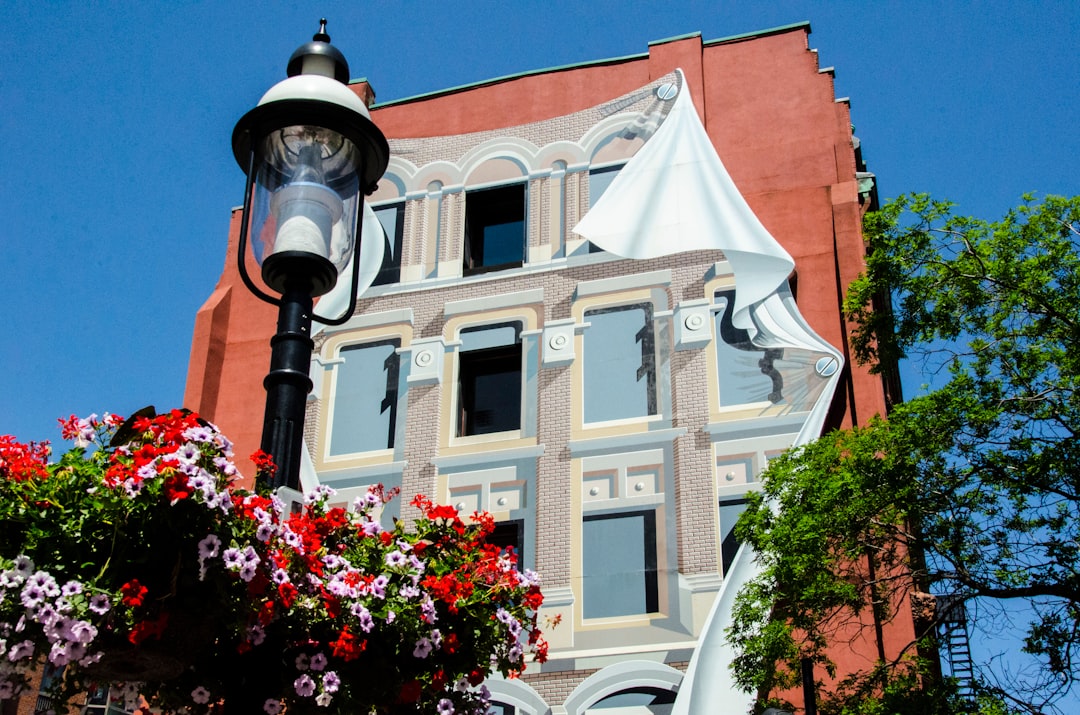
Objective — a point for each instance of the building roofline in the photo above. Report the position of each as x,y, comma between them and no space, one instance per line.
579,65
805,24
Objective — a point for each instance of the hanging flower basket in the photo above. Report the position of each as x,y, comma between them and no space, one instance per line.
133,559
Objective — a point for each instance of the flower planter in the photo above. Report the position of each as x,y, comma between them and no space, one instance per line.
135,561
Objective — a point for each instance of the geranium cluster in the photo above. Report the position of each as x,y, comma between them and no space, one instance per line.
141,541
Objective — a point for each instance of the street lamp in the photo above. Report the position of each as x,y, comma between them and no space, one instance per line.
310,152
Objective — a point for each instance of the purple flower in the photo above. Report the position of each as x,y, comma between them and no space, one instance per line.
280,576
256,635
302,662
99,604
272,707
395,559
445,707
71,588
200,694
364,616
208,547
265,532
188,453
427,610
318,662
247,572
304,685
198,434
21,650
46,582
422,649
331,682
83,632
32,595
233,559
23,565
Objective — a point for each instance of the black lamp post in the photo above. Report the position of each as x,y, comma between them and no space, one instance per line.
311,152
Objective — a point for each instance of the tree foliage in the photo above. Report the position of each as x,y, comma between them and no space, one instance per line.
970,489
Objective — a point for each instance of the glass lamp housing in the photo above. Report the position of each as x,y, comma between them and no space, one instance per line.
306,197
312,153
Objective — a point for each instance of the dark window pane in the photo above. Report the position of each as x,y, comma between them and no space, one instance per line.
494,228
509,534
490,383
730,509
392,219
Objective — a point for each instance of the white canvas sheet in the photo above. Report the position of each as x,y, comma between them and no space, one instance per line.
675,195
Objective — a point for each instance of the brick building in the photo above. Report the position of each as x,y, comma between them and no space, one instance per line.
609,395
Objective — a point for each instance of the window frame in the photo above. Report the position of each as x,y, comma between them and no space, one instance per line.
487,207
467,366
649,350
391,398
390,269
650,574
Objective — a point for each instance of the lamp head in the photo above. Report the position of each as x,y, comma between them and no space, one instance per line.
312,152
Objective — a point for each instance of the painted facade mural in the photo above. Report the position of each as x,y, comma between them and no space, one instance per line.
578,318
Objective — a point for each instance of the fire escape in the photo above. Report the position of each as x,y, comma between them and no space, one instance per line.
954,636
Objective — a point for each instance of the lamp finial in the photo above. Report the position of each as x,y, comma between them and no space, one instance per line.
321,35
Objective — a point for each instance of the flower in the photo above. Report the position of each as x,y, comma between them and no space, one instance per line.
133,593
304,685
333,589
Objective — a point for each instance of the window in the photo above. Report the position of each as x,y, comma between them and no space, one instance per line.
392,219
489,379
600,180
619,363
730,510
510,534
494,228
619,564
790,376
365,398
646,701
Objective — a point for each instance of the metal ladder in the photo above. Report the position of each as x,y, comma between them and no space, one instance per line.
954,635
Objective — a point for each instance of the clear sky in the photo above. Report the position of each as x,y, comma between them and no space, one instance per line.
116,175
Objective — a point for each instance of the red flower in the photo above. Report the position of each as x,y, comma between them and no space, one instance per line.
349,647
264,463
410,691
288,594
132,593
148,628
176,488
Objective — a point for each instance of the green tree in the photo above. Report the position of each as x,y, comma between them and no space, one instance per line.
971,489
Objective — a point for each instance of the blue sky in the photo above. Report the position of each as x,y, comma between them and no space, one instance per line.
117,176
